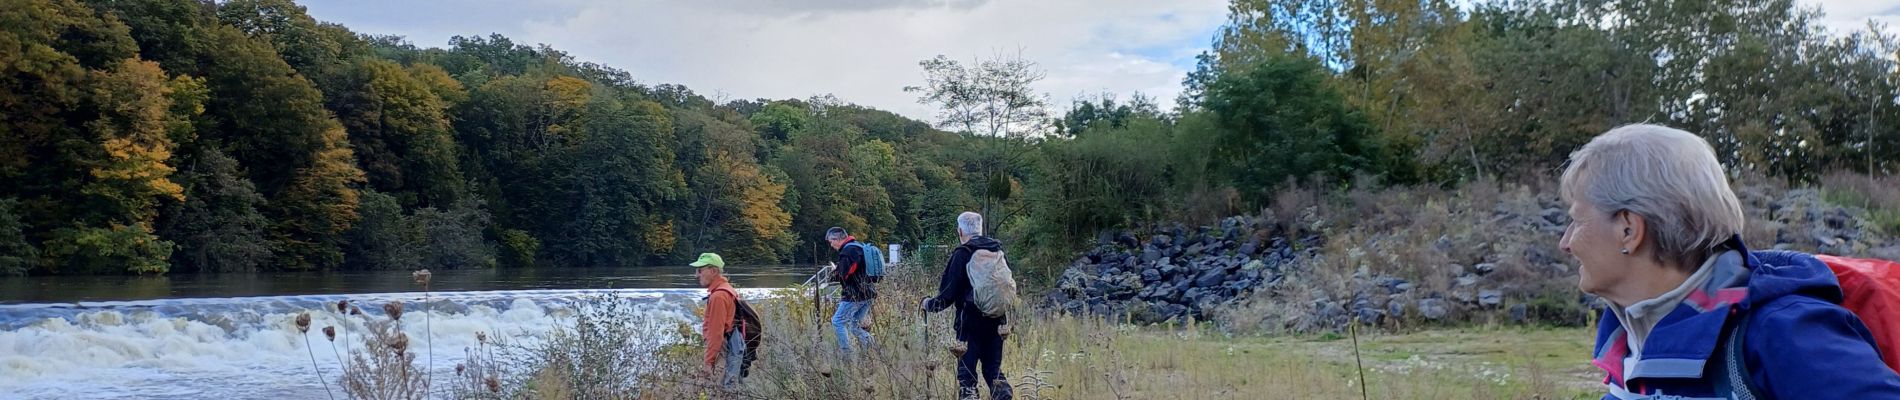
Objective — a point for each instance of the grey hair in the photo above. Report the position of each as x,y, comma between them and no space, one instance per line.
970,223
836,233
1669,177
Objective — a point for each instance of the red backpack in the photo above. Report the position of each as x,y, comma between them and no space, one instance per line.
1872,289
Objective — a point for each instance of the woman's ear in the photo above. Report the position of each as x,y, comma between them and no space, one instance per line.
1634,228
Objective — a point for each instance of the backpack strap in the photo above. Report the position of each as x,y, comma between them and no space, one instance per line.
738,324
1734,379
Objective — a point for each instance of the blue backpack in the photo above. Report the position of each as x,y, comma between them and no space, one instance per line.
873,261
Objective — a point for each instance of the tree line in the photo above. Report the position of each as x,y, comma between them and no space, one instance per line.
147,136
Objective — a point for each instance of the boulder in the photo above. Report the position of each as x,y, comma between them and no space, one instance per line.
1485,268
1150,275
1520,313
1211,278
1490,297
1250,248
1162,241
1194,250
1433,309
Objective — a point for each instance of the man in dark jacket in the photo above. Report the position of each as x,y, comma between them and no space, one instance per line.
857,296
983,334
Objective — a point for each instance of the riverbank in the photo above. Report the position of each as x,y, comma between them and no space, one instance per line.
1051,355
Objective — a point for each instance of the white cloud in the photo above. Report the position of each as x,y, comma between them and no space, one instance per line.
1844,16
862,51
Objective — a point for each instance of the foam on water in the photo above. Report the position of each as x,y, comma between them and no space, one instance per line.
250,347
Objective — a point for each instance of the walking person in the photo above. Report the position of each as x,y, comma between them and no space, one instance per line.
983,334
857,293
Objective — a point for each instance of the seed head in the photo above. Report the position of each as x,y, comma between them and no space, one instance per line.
394,309
399,343
422,276
342,306
494,384
481,337
330,332
459,368
303,323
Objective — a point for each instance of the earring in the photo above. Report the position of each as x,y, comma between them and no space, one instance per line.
1626,250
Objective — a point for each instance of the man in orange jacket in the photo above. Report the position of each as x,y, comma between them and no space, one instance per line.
722,303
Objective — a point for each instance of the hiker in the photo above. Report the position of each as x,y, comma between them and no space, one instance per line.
857,293
983,334
730,327
1656,230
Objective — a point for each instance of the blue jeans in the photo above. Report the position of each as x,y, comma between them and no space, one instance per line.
846,322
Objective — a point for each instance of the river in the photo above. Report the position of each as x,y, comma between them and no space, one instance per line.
233,336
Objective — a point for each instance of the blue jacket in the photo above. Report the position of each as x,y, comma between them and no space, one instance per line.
1801,344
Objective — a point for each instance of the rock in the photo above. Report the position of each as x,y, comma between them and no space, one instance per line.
1490,298
1150,275
1402,287
1151,254
1463,296
1395,308
1127,240
1443,245
1556,217
1466,281
1253,265
1162,241
1130,262
1519,313
1172,311
1194,250
1249,248
1368,314
1210,279
1485,268
1433,309
1191,294
1327,310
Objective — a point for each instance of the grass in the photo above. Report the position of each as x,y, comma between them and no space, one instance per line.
1066,357
612,352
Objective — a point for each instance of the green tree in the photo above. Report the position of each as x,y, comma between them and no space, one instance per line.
1282,121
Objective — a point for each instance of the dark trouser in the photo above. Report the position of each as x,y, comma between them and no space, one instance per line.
986,348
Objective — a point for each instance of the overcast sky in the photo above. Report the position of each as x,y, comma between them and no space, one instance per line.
863,51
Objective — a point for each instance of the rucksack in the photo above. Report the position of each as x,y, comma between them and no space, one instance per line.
746,320
992,285
873,261
1870,289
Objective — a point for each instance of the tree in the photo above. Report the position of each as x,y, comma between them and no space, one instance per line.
1281,121
994,97
218,227
400,131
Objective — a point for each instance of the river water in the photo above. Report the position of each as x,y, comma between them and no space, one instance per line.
233,336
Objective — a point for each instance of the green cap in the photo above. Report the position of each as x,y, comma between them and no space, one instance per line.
709,260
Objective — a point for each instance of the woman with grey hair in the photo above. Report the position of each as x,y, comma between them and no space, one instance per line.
1693,313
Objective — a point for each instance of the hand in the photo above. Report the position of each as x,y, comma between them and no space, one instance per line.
927,304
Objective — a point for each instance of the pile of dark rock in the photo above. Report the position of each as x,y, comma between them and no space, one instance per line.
1173,273
1176,272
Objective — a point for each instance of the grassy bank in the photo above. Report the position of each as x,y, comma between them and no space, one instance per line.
1065,357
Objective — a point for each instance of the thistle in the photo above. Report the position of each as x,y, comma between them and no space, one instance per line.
394,309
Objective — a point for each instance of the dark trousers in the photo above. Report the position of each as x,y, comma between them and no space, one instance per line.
986,348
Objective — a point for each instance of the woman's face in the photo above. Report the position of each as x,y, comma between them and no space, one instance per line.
1595,238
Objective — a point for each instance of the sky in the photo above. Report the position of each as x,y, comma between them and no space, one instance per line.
862,51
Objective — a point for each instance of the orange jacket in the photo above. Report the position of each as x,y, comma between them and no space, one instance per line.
721,306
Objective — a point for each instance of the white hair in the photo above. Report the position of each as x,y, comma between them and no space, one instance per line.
1669,177
970,223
